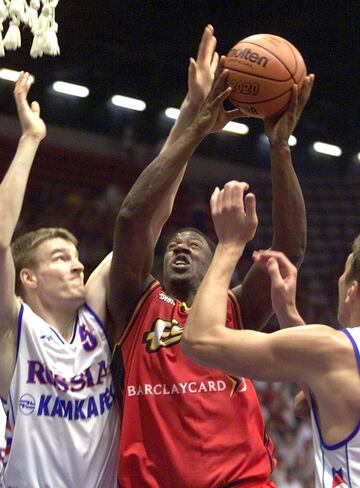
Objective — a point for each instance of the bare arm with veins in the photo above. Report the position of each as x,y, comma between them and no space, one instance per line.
12,192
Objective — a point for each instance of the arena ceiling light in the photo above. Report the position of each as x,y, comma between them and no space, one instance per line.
235,127
328,149
172,113
127,102
292,141
12,75
71,89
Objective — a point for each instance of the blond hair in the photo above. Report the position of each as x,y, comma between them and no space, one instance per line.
23,248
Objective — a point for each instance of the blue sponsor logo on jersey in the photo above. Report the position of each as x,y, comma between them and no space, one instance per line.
27,404
76,409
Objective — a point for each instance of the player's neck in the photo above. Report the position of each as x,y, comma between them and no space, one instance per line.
60,316
183,295
354,320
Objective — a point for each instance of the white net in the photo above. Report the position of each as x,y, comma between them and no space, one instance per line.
39,16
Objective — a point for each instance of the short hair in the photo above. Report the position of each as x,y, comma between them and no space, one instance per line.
354,271
210,243
23,248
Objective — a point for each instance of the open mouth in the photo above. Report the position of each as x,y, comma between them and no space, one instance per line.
181,262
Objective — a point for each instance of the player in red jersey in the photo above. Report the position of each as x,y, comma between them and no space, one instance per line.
185,426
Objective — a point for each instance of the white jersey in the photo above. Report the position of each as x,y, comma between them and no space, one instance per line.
62,428
338,465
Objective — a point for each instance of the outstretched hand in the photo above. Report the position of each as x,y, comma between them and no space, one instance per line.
234,215
212,116
29,115
202,71
283,275
279,129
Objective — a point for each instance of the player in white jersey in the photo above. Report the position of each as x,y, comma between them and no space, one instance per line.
325,361
62,420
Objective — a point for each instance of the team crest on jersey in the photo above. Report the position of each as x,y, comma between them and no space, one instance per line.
163,334
338,480
88,339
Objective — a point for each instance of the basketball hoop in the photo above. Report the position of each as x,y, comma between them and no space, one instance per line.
39,16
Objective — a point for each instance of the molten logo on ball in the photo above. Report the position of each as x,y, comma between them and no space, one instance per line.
249,55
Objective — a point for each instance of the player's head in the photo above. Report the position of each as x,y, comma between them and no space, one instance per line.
47,263
349,285
187,257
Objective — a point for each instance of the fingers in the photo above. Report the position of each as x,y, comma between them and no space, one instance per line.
285,265
214,200
294,99
250,205
35,108
22,86
214,63
306,91
207,45
192,70
220,66
218,90
274,272
236,113
232,195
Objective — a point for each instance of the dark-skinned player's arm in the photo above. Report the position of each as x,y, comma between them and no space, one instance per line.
134,241
201,74
288,213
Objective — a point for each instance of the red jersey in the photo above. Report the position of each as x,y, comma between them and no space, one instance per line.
183,425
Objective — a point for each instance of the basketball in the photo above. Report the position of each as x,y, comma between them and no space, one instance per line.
262,71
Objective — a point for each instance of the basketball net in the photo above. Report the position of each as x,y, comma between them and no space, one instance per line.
39,16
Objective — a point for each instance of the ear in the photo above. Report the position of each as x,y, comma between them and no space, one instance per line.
353,292
28,278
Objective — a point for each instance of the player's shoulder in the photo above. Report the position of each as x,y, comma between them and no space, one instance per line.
328,342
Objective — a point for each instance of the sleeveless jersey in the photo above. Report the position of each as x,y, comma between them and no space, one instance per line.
183,425
62,428
338,465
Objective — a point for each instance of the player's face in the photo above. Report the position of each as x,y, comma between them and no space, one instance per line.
58,274
343,287
186,260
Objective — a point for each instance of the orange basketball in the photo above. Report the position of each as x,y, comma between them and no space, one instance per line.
262,71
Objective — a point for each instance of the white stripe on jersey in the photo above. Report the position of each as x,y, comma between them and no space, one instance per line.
61,410
338,465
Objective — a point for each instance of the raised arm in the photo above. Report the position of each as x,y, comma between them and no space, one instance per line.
12,191
235,222
288,213
134,237
207,340
201,74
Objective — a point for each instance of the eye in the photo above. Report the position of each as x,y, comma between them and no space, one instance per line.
171,246
195,245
